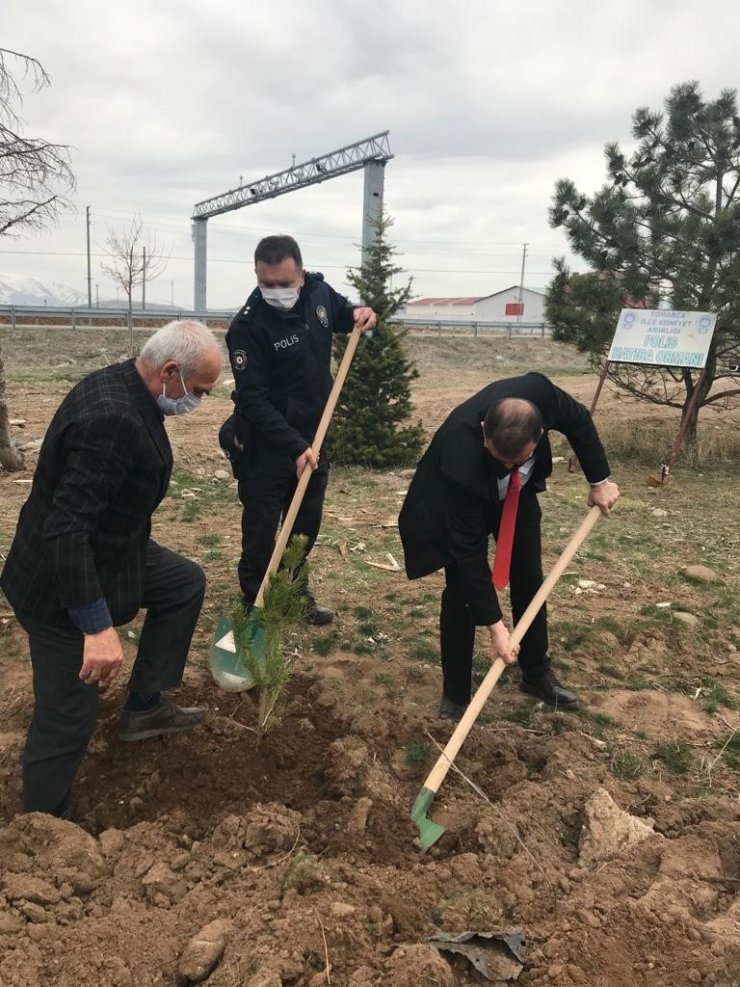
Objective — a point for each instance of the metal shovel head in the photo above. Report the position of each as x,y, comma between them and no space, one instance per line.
227,668
429,830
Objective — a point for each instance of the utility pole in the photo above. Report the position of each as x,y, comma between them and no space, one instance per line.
89,276
97,296
372,206
143,279
520,305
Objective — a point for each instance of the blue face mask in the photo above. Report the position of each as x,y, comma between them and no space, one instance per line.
177,406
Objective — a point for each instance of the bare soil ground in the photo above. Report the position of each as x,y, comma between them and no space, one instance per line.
301,849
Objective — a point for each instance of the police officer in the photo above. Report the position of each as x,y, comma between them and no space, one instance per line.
280,347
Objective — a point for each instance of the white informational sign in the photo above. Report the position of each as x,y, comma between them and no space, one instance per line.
662,337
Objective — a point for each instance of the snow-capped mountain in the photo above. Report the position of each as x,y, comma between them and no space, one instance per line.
17,289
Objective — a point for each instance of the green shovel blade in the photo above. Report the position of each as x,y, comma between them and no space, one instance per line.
429,831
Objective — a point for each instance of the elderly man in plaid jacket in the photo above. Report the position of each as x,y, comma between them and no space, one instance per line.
82,561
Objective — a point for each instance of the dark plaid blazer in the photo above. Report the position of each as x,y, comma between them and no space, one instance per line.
103,468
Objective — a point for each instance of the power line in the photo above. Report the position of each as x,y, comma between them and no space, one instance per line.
349,239
248,261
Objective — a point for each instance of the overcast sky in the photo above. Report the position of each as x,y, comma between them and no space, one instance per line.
488,103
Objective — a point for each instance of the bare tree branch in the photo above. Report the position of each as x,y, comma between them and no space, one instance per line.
35,176
134,260
722,395
36,170
9,88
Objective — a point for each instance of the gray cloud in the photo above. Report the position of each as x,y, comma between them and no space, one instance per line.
488,103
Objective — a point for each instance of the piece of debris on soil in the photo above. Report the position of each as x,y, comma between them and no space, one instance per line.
609,830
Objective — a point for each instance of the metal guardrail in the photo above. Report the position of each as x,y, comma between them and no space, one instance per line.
477,326
17,315
77,317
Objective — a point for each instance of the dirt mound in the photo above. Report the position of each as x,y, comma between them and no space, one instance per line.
211,859
296,863
658,715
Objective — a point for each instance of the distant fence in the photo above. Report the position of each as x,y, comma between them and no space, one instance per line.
48,317
472,327
19,317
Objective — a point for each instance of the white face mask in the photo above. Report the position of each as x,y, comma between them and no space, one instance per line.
281,298
177,406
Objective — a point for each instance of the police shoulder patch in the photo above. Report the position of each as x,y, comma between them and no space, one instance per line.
323,316
239,360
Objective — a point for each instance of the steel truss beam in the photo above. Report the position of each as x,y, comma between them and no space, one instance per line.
312,172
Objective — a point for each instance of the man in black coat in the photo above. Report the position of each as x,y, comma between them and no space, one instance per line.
280,347
82,562
455,502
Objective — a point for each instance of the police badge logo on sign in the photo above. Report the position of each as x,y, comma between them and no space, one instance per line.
323,316
240,360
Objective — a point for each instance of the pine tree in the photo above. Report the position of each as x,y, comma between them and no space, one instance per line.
370,421
666,222
261,635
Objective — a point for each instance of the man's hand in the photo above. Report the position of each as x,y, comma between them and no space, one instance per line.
365,318
501,644
604,496
306,458
102,657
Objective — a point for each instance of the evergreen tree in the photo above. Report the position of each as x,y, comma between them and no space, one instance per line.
261,635
370,421
666,223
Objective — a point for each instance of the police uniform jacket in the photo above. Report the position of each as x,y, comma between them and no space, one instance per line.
82,535
452,504
282,366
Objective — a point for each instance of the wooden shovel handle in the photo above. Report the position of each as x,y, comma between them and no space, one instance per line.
448,755
305,477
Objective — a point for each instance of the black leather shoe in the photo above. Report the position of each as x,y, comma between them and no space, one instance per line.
317,615
550,691
451,711
163,719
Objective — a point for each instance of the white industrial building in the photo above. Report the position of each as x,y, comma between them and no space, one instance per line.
501,306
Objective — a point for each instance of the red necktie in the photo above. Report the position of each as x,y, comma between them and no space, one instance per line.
505,540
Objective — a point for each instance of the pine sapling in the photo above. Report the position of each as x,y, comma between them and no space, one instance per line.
261,634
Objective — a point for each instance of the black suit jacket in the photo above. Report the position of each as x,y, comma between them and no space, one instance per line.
103,468
453,504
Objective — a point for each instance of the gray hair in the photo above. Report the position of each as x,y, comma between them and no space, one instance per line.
184,341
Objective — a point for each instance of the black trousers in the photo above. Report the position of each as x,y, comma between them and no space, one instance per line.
66,708
456,627
265,494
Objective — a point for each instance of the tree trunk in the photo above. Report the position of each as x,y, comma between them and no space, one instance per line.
694,400
130,315
10,459
689,422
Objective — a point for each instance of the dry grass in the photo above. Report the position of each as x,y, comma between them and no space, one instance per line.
651,444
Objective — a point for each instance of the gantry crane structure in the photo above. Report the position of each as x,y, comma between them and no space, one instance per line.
371,154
